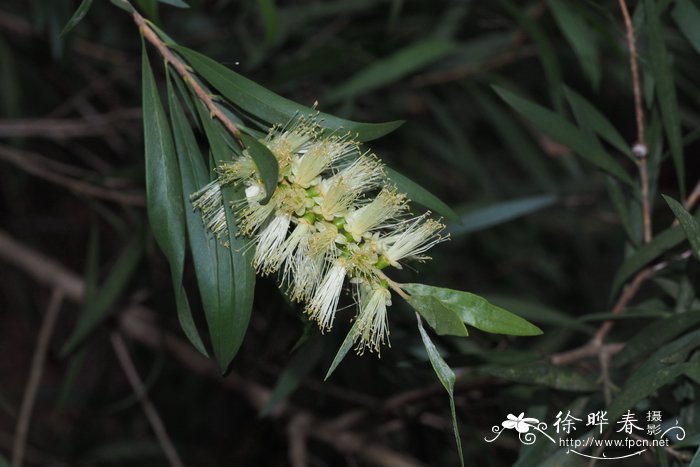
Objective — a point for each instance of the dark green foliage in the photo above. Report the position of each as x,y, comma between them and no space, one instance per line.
518,121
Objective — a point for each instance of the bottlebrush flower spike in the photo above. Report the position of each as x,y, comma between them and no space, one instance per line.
334,217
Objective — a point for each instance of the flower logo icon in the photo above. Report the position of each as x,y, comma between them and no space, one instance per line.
521,423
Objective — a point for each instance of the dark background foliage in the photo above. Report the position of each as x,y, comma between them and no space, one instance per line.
540,235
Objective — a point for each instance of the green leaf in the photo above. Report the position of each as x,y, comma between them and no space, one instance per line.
3,461
446,377
298,368
275,109
390,69
579,35
543,374
420,195
235,282
661,368
545,51
658,245
343,351
175,3
123,5
561,130
79,14
499,213
687,17
164,196
270,19
665,88
639,387
690,225
100,304
265,162
656,334
442,319
476,311
587,115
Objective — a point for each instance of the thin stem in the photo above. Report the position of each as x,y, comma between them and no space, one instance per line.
640,147
42,348
149,409
170,58
634,69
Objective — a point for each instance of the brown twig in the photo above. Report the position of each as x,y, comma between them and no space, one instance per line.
41,167
138,323
640,146
42,348
149,409
64,128
214,110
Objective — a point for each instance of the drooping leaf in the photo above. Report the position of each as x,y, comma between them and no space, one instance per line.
580,36
390,69
293,375
268,106
687,16
545,51
442,319
79,14
446,377
587,114
164,196
98,308
665,88
476,311
420,195
520,146
235,277
690,225
499,213
561,130
265,162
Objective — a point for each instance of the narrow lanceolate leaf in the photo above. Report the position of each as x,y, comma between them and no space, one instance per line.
293,375
442,319
476,311
687,17
390,69
164,193
420,195
690,225
102,299
561,130
343,350
499,213
660,369
270,107
265,162
587,115
658,245
446,377
270,20
235,277
79,14
579,35
544,374
665,88
175,3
